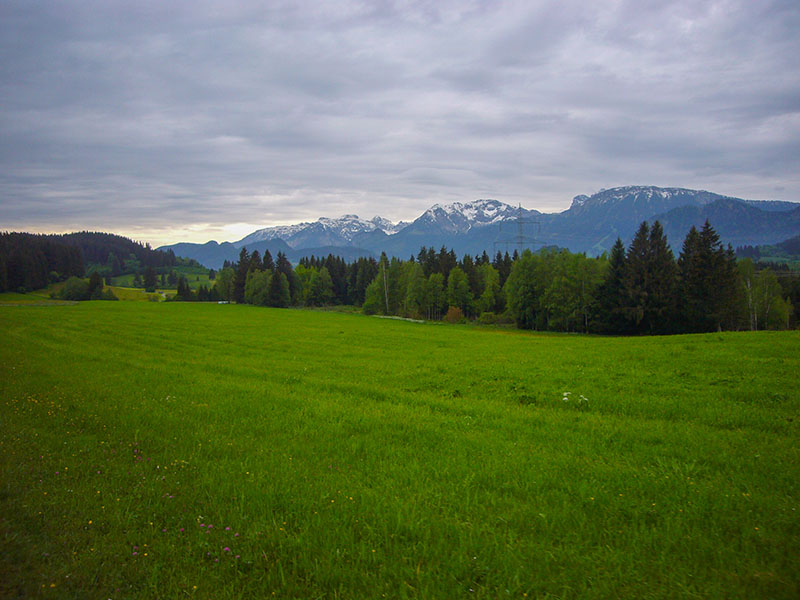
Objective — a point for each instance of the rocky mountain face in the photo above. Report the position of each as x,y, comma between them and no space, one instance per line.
591,224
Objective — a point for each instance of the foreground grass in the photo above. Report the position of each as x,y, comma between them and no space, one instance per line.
189,450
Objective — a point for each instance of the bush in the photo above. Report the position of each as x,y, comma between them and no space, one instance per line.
454,315
505,318
487,318
75,289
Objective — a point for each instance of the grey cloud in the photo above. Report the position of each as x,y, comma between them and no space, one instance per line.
210,112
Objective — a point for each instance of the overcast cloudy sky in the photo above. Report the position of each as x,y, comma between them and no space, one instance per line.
188,121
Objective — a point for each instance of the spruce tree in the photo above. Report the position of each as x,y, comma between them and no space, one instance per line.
662,301
650,282
267,263
610,299
150,279
240,276
283,265
708,282
278,292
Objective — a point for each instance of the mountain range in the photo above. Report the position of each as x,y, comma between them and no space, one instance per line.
591,224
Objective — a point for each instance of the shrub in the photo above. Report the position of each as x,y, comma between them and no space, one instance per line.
454,315
487,318
75,289
505,318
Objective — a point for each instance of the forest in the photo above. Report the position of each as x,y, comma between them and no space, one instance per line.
32,261
640,290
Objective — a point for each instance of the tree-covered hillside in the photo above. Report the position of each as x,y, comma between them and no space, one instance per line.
31,261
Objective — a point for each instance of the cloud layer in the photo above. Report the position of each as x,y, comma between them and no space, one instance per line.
179,120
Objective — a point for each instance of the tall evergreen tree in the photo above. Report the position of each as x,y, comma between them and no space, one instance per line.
255,262
708,282
150,279
662,301
283,265
650,282
240,276
278,294
267,263
609,303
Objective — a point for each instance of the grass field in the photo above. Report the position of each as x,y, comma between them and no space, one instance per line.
195,277
219,451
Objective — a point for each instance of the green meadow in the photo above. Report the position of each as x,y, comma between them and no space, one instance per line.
184,450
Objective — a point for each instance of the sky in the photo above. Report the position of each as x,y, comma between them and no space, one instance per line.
197,120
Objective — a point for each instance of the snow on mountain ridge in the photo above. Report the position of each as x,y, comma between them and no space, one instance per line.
471,214
640,193
346,226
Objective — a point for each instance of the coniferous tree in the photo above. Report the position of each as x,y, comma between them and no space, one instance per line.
721,280
255,262
150,279
662,301
184,292
650,282
283,265
608,308
95,288
240,276
278,294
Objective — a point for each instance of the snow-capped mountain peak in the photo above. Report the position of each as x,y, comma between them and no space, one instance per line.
331,231
386,225
460,217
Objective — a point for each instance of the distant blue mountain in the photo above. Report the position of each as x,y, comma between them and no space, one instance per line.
591,224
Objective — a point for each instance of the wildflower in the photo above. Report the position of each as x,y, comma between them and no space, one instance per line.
226,549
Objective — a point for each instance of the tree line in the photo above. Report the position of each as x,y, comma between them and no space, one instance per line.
32,261
641,289
265,281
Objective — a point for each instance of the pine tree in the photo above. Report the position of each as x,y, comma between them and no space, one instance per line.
240,276
283,265
278,294
662,302
608,310
255,262
150,279
708,282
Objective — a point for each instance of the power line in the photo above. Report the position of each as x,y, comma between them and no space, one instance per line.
520,240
